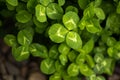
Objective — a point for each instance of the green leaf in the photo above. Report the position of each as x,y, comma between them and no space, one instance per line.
46,2
12,2
71,8
47,66
63,48
99,57
88,47
89,12
59,67
40,26
23,16
73,40
23,37
38,50
10,40
90,61
57,33
100,13
21,53
10,7
111,41
100,78
98,69
54,11
73,69
63,59
70,20
83,3
55,76
85,70
82,24
40,13
53,52
92,77
80,58
108,65
118,8
61,2
72,55
98,3
31,5
93,26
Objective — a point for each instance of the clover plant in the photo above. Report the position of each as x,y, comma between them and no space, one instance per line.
74,38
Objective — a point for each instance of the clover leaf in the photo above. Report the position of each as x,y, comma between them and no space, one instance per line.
54,11
70,20
61,2
63,59
93,26
73,69
88,46
10,40
31,5
46,2
38,50
12,2
55,76
23,16
53,52
71,8
25,36
83,3
40,13
57,33
100,13
63,48
85,70
21,53
47,66
73,40
72,55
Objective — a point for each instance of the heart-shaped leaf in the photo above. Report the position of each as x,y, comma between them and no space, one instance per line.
63,59
10,40
71,8
47,66
40,13
23,16
57,33
93,26
25,36
63,49
70,20
38,50
73,40
53,52
21,53
54,11
72,55
61,2
85,70
73,69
